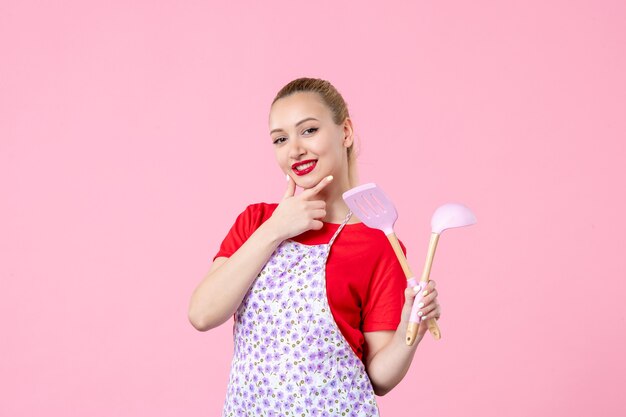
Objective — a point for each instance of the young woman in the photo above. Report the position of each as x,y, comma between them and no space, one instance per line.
319,300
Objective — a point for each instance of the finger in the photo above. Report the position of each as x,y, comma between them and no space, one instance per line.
316,225
427,309
319,187
426,302
434,313
319,213
430,286
316,204
291,188
429,297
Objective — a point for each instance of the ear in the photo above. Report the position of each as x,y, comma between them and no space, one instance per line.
348,133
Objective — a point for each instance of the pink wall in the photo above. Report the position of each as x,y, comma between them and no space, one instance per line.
133,133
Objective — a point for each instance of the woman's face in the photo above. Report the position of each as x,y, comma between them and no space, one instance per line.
307,143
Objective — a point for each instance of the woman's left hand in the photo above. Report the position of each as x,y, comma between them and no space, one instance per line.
430,309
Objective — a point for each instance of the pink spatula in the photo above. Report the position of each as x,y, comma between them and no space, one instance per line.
375,210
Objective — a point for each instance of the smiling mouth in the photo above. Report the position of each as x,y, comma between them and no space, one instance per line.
304,167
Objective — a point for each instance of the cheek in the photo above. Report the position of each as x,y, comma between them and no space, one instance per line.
323,147
280,158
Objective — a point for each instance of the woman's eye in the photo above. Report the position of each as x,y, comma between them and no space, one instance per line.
279,140
312,130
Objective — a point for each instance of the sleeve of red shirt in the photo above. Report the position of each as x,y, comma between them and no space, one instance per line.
245,224
383,306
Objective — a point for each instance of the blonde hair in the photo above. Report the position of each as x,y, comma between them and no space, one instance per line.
334,101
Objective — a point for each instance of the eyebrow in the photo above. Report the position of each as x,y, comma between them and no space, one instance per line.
297,124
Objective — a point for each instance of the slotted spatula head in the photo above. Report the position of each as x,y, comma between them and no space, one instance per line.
372,206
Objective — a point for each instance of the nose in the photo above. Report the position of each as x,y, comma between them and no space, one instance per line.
295,149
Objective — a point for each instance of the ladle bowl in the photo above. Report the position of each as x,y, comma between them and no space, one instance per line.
451,215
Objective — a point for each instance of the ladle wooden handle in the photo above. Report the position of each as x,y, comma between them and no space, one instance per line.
433,327
411,332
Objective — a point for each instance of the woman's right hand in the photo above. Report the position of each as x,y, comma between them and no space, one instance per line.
298,213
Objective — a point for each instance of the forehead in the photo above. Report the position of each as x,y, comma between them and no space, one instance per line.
289,110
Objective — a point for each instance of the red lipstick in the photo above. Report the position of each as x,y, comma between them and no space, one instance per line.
311,164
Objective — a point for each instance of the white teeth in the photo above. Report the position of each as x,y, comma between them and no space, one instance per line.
305,166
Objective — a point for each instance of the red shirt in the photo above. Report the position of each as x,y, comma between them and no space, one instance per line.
364,280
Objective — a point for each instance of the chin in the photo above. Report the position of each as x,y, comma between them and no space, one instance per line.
310,181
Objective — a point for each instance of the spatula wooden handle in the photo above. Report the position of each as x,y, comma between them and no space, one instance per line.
411,332
400,255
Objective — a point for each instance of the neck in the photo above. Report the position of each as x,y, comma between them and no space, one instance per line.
336,207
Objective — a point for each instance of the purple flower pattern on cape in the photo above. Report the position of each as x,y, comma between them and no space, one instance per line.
290,358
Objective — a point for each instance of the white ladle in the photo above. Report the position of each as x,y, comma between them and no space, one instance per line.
447,216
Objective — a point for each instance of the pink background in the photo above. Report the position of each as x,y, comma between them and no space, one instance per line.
133,133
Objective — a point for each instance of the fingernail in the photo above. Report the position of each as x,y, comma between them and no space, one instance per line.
424,316
329,178
425,293
416,289
420,305
419,313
